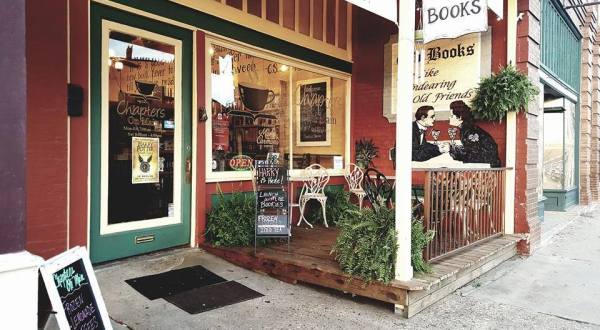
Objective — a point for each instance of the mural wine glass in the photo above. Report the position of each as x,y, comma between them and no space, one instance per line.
436,135
452,133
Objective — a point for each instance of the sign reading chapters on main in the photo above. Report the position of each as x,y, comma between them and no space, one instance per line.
74,292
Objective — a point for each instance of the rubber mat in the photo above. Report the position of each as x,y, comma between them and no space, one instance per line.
174,281
214,296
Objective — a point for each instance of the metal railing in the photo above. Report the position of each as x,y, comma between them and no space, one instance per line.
462,207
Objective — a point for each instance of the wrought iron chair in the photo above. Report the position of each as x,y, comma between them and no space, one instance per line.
314,182
354,177
378,188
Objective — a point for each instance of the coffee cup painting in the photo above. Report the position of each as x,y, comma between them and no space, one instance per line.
469,145
255,97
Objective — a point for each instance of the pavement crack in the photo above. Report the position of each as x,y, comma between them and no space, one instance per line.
570,319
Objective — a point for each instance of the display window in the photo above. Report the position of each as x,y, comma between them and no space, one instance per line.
268,107
559,145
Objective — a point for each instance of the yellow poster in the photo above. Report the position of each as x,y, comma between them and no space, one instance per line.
144,160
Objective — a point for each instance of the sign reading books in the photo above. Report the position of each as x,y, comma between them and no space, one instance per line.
272,207
452,71
314,111
144,160
453,18
74,292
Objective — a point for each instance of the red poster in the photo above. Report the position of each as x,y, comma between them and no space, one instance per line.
220,132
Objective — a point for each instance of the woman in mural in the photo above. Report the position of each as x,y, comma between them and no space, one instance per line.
478,146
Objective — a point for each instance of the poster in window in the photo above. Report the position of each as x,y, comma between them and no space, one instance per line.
313,112
144,160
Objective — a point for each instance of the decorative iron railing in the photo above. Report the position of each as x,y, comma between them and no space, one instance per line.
462,207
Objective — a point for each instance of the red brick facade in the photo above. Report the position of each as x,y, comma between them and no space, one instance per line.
47,127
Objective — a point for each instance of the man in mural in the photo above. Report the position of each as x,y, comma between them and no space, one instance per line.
421,149
478,146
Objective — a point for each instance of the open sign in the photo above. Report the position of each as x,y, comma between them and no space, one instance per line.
241,163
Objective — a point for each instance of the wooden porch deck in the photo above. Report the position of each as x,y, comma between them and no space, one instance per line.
310,261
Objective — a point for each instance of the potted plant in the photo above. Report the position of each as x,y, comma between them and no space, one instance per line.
365,151
507,90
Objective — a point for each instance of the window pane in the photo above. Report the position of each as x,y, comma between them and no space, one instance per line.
569,153
553,150
319,120
250,109
141,128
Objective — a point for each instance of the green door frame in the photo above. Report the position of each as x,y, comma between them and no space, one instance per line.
118,245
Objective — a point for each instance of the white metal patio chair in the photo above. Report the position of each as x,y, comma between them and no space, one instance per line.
315,178
354,177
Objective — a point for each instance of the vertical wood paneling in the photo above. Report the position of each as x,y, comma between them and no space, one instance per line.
235,3
289,14
330,14
273,11
304,17
255,7
318,19
342,25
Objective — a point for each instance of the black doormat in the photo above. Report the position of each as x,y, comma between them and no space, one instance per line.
174,282
214,296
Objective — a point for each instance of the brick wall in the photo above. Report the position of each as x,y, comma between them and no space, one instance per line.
46,127
588,129
526,182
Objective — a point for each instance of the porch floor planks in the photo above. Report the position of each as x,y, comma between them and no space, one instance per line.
310,260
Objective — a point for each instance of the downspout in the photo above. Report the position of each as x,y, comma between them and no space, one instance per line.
404,104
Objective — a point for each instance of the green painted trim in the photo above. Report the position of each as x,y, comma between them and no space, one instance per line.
119,245
204,21
550,73
541,209
565,16
560,200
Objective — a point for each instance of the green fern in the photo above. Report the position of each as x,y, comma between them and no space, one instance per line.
507,90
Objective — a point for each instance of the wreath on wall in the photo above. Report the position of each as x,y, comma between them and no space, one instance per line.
503,92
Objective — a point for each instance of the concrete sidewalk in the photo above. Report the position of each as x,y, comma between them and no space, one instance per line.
554,289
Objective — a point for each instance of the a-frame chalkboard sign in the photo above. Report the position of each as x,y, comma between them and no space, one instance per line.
74,292
272,207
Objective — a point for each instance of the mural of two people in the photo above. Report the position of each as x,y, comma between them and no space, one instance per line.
477,145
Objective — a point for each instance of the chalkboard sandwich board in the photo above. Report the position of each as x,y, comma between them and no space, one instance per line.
268,174
74,292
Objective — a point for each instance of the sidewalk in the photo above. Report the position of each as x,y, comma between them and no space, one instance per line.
557,288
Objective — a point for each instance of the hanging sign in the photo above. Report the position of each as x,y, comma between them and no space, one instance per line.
453,18
385,8
452,70
144,160
74,292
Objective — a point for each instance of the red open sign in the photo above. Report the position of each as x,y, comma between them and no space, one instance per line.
241,163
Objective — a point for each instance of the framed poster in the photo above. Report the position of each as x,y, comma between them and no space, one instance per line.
144,160
74,292
313,112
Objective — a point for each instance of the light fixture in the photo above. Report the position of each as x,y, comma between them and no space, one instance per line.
283,68
109,62
119,65
211,51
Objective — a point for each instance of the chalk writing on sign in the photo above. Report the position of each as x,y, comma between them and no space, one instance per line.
271,199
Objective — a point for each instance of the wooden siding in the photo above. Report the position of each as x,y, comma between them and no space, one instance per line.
561,45
325,21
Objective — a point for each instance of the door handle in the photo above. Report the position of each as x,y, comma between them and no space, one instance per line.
188,169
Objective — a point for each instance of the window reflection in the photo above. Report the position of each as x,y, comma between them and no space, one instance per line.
141,128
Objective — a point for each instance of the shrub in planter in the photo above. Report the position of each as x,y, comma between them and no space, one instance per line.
366,244
507,90
231,220
365,151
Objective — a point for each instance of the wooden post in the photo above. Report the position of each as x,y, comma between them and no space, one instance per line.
406,46
511,125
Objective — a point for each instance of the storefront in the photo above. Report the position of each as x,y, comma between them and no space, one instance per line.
559,118
159,149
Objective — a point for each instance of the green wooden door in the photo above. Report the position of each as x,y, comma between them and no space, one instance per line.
140,152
